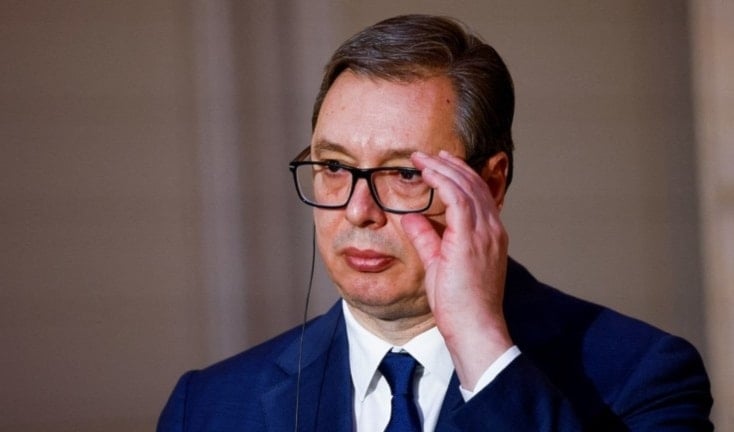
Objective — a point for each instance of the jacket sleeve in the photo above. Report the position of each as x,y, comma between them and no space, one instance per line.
667,391
519,399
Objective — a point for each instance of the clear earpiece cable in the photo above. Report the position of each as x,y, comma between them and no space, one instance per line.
303,324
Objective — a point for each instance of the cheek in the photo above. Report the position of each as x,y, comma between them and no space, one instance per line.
326,223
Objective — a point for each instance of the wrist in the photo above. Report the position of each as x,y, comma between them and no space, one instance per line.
474,350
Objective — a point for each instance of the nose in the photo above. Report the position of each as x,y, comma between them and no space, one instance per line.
362,209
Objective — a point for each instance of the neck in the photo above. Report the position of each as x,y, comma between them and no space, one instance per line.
396,329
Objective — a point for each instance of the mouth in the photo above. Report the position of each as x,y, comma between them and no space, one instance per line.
367,260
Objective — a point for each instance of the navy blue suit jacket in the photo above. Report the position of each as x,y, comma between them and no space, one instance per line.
582,367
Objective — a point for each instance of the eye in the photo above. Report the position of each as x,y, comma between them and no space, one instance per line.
335,169
333,166
409,174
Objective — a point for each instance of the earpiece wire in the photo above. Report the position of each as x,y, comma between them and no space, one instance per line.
303,324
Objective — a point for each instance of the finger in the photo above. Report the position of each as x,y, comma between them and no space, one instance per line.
468,180
450,166
423,236
461,206
466,196
456,169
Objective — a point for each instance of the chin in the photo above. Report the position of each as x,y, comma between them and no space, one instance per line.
383,301
390,311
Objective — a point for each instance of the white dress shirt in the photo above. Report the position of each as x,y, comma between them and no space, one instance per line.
432,377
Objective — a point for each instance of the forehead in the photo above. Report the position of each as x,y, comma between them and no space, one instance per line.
369,119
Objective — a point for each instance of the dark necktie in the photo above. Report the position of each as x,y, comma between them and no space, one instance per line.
398,369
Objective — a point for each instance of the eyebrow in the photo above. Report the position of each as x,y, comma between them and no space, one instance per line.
325,145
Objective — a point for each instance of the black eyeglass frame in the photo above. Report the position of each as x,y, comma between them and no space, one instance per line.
357,173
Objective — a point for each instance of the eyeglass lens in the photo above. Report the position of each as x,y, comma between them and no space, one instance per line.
330,185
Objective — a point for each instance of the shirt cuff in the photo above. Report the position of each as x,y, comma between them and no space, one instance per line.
491,373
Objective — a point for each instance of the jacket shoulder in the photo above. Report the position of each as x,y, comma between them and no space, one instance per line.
599,358
228,394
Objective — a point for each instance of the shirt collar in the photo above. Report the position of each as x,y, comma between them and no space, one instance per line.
366,351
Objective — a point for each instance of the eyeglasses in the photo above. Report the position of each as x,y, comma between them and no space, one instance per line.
330,185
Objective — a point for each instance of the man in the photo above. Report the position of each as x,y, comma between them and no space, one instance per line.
409,162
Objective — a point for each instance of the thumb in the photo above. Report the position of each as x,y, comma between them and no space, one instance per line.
423,236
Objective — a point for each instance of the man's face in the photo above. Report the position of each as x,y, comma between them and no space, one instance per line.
367,123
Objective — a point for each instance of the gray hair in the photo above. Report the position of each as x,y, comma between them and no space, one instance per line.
411,47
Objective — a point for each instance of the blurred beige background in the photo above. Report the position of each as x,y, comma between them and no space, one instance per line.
147,217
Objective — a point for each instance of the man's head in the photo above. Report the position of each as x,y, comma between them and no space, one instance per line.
410,47
408,84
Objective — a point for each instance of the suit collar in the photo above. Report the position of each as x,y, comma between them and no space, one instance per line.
324,405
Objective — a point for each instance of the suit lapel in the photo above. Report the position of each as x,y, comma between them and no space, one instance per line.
336,396
451,402
325,402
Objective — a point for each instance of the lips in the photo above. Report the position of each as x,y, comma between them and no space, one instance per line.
367,260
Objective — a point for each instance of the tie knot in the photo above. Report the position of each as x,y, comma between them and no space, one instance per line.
398,369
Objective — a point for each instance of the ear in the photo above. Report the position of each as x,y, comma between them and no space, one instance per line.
494,173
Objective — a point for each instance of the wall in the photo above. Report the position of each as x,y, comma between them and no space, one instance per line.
713,61
99,213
